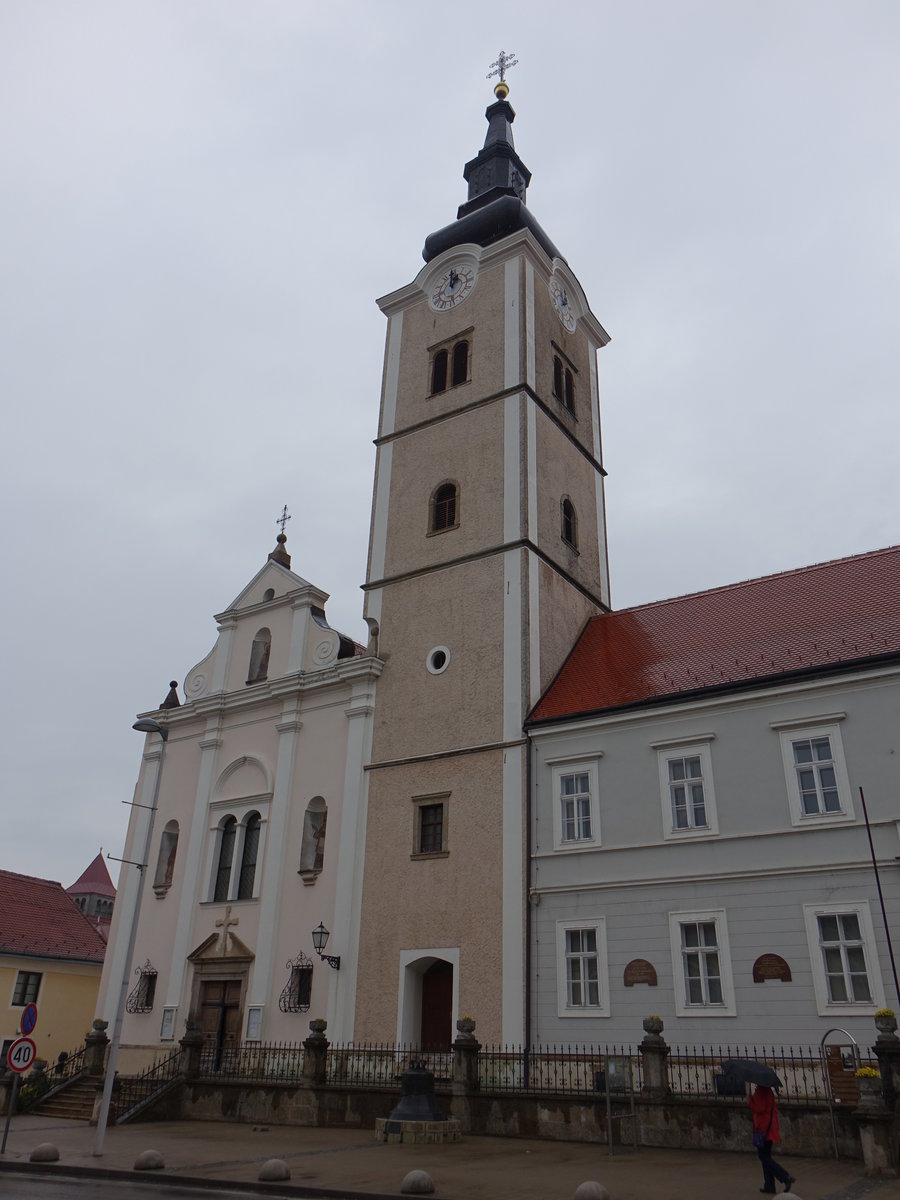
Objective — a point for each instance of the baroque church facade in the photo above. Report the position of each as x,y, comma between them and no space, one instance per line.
487,555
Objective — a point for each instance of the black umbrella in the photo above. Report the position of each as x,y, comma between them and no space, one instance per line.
745,1070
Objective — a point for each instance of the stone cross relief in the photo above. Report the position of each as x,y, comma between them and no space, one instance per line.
225,924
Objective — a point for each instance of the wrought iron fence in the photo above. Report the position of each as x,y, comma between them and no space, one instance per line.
378,1065
558,1070
268,1061
564,1070
130,1091
696,1071
67,1065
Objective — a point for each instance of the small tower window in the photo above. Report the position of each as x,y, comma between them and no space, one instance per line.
569,523
249,855
460,363
445,508
439,372
570,391
226,853
259,657
557,377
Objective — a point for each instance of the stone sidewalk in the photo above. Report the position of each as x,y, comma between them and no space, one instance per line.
478,1168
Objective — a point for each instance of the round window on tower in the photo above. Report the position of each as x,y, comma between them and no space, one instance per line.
438,660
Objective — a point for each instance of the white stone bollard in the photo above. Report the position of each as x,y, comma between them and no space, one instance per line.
274,1171
149,1160
591,1190
45,1152
417,1183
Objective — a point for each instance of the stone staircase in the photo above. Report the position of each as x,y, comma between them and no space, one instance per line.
73,1101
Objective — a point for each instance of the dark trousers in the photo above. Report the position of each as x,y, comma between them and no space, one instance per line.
771,1169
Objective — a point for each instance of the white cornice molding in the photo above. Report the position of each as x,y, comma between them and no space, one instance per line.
339,674
803,722
668,881
691,739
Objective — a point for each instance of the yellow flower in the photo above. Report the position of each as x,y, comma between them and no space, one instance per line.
867,1073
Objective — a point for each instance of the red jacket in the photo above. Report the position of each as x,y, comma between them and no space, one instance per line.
765,1113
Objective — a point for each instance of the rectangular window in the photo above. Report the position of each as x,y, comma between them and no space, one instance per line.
843,958
700,955
701,961
686,787
686,793
582,969
575,802
430,824
28,985
815,772
816,776
431,828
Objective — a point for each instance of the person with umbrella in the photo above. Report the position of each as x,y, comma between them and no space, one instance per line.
765,1133
765,1117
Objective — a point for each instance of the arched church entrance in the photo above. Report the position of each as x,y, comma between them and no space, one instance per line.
436,1032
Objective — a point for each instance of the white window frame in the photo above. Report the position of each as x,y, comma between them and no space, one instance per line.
241,811
728,1007
558,769
564,1009
824,1005
797,731
698,747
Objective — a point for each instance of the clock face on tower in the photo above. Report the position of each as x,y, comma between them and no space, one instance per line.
561,303
452,287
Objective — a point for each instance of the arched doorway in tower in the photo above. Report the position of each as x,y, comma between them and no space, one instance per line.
429,997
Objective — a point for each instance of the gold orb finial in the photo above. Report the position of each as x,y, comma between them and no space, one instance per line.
500,67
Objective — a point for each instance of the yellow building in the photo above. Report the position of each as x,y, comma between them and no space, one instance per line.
50,954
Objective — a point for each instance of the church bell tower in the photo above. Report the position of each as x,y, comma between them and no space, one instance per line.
487,554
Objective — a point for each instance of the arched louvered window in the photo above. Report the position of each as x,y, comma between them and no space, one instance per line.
460,363
249,854
226,854
569,523
439,372
445,508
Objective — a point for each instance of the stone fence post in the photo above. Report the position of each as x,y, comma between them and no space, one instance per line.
95,1046
465,1072
315,1060
654,1052
191,1046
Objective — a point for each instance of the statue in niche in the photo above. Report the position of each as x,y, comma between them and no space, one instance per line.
259,657
312,851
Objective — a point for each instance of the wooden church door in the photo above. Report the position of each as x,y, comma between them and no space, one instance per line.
220,1015
437,1007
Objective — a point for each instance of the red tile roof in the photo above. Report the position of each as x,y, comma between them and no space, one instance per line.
37,918
94,880
814,618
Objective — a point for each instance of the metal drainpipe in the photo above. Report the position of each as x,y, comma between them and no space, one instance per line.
528,748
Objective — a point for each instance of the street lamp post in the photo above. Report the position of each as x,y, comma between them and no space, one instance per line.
145,726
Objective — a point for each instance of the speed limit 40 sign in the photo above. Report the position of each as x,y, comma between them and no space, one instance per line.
21,1054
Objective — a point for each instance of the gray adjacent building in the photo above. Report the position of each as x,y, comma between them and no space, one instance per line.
700,771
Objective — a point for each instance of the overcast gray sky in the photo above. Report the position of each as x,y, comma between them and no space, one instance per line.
199,203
